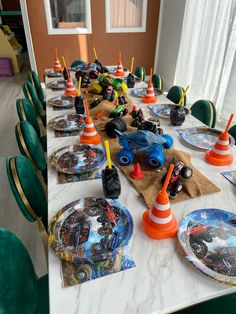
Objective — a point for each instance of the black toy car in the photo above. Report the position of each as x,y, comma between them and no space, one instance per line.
84,78
122,100
111,183
179,173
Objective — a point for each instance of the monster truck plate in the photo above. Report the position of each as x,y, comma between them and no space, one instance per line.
208,238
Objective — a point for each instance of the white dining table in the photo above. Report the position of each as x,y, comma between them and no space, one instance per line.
163,281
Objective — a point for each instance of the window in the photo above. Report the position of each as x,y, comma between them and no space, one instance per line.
126,16
68,16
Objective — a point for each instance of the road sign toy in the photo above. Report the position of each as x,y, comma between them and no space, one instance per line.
178,176
143,141
110,178
106,80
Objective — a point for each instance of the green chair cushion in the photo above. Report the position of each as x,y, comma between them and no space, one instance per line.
141,73
157,82
175,93
232,131
75,63
18,283
31,186
26,111
31,94
204,111
43,296
43,140
32,143
34,80
225,304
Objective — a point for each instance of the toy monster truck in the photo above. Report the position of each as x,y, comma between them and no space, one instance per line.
106,80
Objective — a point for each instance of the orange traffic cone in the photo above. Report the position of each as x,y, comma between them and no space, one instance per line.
57,64
220,155
89,135
120,71
150,96
137,172
70,88
160,223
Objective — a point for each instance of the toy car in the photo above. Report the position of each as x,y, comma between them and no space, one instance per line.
111,183
179,173
122,100
151,124
85,82
106,80
109,93
143,141
118,124
119,111
91,69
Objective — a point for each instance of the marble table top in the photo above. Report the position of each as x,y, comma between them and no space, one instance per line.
163,281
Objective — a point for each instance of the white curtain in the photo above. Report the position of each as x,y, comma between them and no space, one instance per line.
207,49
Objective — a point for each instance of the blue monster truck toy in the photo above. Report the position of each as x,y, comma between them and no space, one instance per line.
143,141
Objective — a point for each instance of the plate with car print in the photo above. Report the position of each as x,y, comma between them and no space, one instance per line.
69,123
59,85
90,230
63,101
52,73
208,238
77,159
202,137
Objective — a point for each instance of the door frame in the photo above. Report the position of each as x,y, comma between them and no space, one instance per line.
29,42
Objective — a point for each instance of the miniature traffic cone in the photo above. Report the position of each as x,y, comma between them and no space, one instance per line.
150,96
70,88
160,223
137,172
57,64
120,71
220,155
89,135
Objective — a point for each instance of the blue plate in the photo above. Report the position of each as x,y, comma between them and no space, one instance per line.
90,230
208,238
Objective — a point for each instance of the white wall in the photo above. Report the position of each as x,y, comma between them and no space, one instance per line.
168,39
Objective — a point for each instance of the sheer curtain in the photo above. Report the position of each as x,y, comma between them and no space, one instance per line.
207,49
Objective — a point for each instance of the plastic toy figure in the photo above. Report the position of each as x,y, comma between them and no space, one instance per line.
109,93
143,141
179,173
106,80
110,178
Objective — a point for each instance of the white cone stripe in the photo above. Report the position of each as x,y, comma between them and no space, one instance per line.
90,125
222,142
150,88
161,206
221,152
90,133
150,95
70,89
161,221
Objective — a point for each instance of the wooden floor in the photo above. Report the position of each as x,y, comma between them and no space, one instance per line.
10,215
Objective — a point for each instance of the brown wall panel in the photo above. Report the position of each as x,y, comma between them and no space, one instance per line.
140,45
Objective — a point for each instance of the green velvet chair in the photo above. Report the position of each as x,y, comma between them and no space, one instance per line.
75,63
205,111
21,292
30,146
157,82
225,304
29,193
141,73
26,112
232,131
34,80
175,93
31,94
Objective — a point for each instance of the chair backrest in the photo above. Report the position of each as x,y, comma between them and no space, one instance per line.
34,80
157,82
18,282
175,93
31,94
26,112
29,144
75,63
27,188
140,72
204,110
232,131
